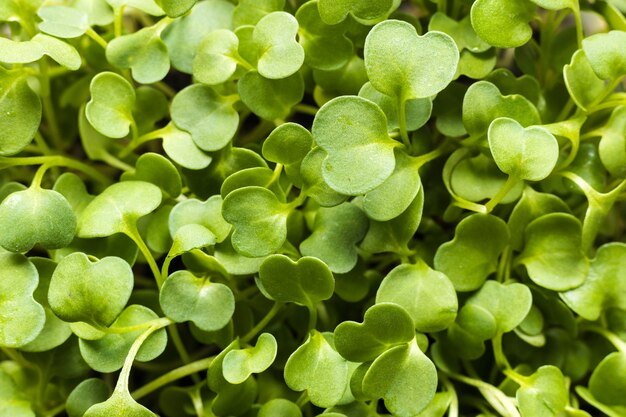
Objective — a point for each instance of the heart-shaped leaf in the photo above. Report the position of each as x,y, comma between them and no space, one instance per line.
508,304
270,99
525,153
249,12
313,181
288,144
468,259
181,148
317,368
604,287
353,131
544,393
605,54
110,110
207,214
503,23
91,292
484,103
239,364
107,354
143,52
336,232
21,317
392,377
20,112
184,297
30,51
117,209
63,21
258,218
36,216
553,252
158,170
583,84
333,12
216,59
461,31
209,117
607,383
474,324
427,295
384,325
304,282
279,54
398,60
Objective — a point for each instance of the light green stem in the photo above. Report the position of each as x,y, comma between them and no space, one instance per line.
55,160
261,324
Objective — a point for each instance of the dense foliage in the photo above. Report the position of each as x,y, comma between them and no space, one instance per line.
347,208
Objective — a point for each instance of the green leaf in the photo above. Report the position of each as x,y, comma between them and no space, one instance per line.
333,12
63,21
392,377
503,23
12,401
461,32
143,52
607,382
184,35
468,259
581,81
508,304
120,404
249,12
21,317
208,116
427,295
336,232
259,220
398,60
305,282
544,393
288,144
279,407
612,147
353,131
604,52
217,57
91,292
239,364
117,209
20,113
157,170
384,326
280,55
89,392
313,181
525,153
207,214
176,8
270,99
36,216
110,110
62,52
604,286
180,148
553,252
317,368
107,354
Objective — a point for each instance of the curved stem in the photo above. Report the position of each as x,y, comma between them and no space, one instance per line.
261,324
498,352
506,188
97,38
134,234
615,340
402,119
180,348
55,160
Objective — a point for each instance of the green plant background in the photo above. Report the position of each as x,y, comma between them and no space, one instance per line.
289,208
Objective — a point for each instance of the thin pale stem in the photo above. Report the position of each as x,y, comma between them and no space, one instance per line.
55,160
97,38
506,188
143,248
261,324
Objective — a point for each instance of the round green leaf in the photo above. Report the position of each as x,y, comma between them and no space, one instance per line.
209,305
207,214
553,252
107,354
279,407
89,392
21,317
333,12
288,144
427,295
270,99
314,184
249,12
259,220
280,55
158,170
110,110
607,380
304,282
209,117
605,52
176,8
544,393
20,112
503,23
91,292
36,216
469,258
508,304
181,148
581,81
336,232
239,364
526,153
384,325
612,148
216,59
117,208
392,377
63,21
353,132
604,286
317,368
399,61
